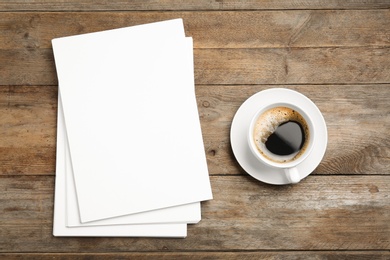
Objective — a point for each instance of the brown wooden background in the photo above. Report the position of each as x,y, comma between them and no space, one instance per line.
335,52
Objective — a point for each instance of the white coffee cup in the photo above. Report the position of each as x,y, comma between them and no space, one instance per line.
265,122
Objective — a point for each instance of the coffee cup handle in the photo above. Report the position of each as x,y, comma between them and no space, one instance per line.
292,175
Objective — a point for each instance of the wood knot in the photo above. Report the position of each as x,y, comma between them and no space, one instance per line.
212,152
205,104
372,188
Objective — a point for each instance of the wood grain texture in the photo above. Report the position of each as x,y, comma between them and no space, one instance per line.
266,255
292,66
357,118
28,127
295,47
335,52
235,66
246,29
351,214
87,5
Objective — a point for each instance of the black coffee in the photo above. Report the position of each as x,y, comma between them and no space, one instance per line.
281,134
287,139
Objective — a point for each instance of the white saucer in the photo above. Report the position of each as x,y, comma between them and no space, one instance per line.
242,119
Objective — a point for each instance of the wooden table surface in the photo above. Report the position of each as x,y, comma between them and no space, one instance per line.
335,52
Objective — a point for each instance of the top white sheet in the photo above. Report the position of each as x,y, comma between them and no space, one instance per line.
131,118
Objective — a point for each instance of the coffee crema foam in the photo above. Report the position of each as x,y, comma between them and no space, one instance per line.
267,123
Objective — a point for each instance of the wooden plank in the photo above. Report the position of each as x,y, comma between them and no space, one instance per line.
235,66
292,66
361,255
357,118
258,29
27,129
88,5
320,213
274,56
356,115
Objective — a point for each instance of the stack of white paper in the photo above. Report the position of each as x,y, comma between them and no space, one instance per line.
130,155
